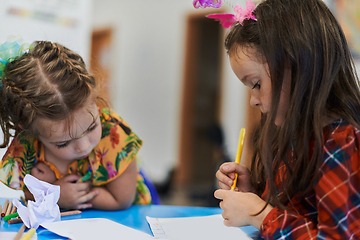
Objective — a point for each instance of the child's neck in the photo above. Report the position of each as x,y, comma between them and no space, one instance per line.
61,165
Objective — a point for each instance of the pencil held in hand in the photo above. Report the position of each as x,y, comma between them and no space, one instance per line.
238,154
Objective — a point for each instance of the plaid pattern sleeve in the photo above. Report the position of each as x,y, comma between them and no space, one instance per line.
332,209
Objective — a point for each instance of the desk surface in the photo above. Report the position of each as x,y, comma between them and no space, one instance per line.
134,217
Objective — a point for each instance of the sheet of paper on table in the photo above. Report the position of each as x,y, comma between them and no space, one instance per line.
188,228
11,236
94,228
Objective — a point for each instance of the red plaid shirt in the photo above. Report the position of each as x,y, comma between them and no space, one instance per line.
332,209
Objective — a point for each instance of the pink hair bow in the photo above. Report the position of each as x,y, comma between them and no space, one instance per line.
246,13
227,19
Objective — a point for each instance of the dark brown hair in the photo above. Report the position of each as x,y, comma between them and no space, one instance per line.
48,82
305,35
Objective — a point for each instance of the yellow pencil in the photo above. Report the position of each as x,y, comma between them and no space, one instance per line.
238,154
28,235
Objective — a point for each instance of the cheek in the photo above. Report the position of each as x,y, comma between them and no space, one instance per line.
97,135
59,151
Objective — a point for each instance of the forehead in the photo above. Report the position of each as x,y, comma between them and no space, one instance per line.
246,61
68,128
245,53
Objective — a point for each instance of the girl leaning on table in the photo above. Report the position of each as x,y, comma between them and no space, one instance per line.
304,181
50,101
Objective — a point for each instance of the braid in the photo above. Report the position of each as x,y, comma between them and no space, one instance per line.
50,81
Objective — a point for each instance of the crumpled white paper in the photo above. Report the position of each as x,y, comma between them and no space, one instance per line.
45,208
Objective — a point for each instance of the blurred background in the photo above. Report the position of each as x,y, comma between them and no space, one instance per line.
163,68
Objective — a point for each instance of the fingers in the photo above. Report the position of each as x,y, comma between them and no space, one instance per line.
83,206
43,172
226,176
86,198
39,169
231,167
71,178
35,172
226,220
220,194
225,182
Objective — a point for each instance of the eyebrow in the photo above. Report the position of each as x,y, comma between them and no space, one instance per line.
80,135
246,80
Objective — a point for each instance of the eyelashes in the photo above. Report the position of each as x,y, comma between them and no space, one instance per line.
90,129
256,85
62,145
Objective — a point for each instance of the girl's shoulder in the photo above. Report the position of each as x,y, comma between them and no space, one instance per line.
341,132
107,114
18,161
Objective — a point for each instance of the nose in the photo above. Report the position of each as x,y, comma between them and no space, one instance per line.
82,144
254,101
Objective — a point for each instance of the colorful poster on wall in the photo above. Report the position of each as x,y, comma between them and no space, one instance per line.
65,21
348,14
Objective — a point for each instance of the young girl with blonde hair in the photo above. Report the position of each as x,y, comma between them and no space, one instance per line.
49,101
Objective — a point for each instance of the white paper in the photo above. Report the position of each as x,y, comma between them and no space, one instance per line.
11,236
45,208
94,228
188,228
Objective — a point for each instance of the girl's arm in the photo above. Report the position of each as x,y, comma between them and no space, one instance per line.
119,193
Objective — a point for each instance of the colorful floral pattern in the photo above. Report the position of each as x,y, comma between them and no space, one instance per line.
109,159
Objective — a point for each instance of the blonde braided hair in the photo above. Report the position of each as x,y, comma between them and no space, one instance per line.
50,81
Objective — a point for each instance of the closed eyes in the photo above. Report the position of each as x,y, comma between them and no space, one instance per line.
90,129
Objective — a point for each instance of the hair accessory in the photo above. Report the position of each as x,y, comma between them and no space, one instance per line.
207,3
9,50
227,19
247,13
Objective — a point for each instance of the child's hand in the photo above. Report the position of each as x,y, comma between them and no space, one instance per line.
43,172
75,195
238,208
226,176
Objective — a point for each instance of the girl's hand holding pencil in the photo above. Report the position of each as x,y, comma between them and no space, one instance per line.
226,176
232,175
241,203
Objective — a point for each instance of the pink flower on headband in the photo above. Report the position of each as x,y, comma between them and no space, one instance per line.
247,13
227,19
207,3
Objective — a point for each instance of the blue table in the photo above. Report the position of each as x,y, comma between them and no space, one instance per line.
133,217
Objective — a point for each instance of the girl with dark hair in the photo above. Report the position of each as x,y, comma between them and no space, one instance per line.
304,181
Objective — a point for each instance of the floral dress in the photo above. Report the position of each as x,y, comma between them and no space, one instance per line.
109,159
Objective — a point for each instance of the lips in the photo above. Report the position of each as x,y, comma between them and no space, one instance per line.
85,156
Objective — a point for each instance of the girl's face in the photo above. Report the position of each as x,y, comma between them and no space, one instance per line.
255,75
73,142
